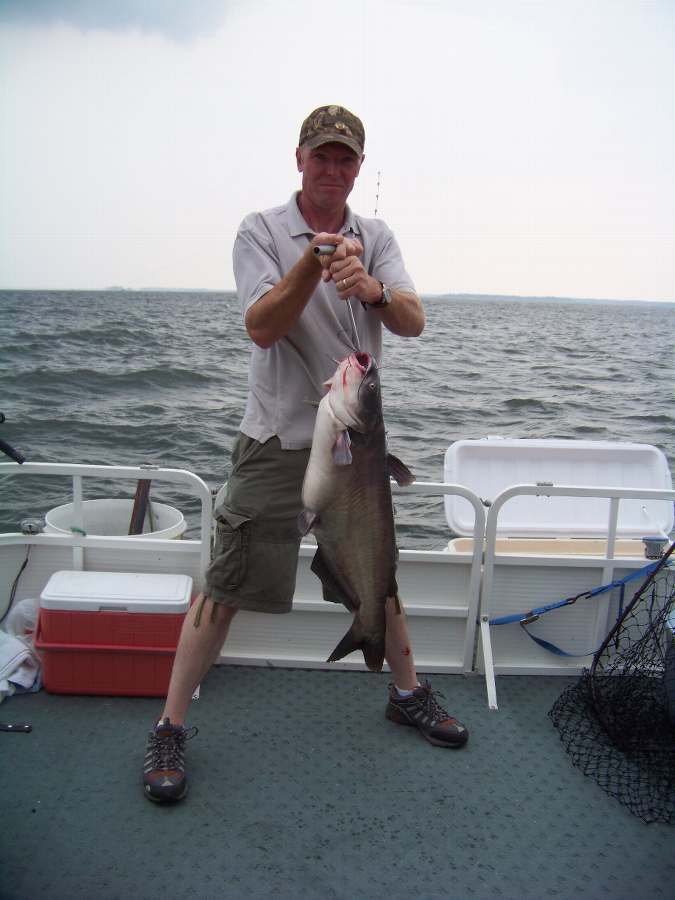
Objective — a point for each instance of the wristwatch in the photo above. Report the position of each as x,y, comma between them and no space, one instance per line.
385,300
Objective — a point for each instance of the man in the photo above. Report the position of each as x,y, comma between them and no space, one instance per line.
294,312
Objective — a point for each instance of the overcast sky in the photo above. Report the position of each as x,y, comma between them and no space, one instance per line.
524,147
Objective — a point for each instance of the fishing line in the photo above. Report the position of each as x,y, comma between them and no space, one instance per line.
327,250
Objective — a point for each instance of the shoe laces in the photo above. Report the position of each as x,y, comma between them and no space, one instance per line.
167,748
430,703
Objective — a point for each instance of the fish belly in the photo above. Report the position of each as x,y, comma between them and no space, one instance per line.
357,547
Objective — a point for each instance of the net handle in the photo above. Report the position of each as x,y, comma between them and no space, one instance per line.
645,584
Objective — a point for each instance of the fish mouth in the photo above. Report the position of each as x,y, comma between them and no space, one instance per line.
362,361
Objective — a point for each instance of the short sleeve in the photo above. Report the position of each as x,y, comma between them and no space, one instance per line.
257,268
388,265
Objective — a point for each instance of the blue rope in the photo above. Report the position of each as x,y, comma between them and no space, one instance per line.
525,619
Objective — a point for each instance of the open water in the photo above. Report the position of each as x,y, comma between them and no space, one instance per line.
160,377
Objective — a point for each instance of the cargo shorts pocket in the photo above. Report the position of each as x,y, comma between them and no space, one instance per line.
230,552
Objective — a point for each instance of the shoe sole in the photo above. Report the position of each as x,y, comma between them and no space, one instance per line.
147,794
398,718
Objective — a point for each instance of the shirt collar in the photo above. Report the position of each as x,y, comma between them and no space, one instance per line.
297,224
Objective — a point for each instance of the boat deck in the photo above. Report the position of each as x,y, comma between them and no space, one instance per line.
300,788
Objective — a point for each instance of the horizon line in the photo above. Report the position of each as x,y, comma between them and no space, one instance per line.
429,294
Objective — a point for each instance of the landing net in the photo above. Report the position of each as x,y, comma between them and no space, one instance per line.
617,722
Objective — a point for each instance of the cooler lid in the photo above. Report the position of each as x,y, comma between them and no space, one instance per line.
133,592
490,465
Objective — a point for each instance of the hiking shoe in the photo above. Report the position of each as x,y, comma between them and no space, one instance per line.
422,710
164,778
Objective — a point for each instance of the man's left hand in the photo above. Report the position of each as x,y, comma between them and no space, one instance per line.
351,279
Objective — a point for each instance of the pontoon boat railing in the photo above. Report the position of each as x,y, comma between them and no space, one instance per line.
439,488
80,542
484,556
614,495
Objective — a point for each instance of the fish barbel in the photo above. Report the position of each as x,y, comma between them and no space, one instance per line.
347,498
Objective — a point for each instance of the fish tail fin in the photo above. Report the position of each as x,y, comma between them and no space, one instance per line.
373,650
373,653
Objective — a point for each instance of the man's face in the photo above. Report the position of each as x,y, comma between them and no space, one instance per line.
328,173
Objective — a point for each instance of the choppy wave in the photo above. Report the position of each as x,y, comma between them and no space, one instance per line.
89,379
128,377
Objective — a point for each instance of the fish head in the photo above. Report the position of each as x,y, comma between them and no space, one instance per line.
354,392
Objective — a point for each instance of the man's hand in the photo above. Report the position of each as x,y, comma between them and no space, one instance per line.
349,276
324,259
344,247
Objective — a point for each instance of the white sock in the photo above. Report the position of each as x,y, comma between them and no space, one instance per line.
404,694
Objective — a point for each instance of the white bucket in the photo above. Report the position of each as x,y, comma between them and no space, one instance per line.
110,518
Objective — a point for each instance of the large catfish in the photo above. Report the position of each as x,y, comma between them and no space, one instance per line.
347,498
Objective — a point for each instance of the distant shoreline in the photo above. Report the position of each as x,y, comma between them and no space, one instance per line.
546,299
518,298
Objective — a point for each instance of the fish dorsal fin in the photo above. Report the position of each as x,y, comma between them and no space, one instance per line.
399,471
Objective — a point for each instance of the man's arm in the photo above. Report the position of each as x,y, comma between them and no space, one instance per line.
403,316
273,315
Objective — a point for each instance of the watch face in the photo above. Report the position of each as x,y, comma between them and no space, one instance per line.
385,300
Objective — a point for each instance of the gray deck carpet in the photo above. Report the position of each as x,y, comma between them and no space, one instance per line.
300,788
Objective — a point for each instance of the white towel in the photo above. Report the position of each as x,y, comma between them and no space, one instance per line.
20,669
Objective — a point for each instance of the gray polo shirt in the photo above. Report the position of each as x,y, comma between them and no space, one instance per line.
285,376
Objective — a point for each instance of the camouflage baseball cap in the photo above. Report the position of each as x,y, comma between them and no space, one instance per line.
333,123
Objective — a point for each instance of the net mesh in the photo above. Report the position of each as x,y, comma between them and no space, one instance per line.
617,722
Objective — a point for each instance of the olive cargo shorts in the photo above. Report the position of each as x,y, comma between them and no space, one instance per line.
255,556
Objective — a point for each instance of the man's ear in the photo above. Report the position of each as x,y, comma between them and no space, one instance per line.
298,158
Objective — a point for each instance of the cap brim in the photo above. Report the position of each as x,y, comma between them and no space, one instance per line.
320,139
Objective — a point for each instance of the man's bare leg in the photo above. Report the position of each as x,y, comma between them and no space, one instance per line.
420,709
397,649
198,648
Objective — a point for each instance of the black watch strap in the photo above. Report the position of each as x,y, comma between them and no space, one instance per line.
385,301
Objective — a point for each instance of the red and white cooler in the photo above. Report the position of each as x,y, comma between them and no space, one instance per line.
111,633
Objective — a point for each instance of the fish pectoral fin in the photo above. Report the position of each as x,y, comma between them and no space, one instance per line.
306,521
373,650
333,592
399,471
342,454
